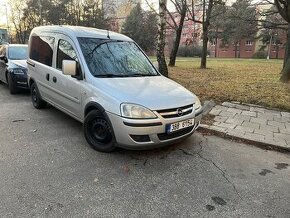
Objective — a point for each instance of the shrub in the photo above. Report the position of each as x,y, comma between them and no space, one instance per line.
260,55
189,51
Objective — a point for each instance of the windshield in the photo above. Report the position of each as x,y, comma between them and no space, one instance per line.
17,52
111,58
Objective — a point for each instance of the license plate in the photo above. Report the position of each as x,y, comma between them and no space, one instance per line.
179,125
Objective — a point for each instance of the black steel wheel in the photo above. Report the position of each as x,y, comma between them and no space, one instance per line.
37,102
98,132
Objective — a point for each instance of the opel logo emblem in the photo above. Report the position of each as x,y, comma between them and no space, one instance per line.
179,112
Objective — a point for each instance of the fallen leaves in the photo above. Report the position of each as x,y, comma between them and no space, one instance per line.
245,80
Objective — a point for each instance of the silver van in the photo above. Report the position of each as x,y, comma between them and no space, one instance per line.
104,80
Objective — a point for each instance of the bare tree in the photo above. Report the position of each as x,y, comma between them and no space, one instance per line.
19,23
283,8
181,9
207,10
184,11
161,38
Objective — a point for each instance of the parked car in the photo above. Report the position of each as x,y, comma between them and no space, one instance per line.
13,67
104,80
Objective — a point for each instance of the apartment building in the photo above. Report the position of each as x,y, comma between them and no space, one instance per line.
117,11
246,48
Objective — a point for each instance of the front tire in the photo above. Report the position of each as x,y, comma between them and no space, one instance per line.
98,132
37,101
12,88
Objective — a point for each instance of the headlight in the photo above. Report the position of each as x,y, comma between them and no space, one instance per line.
136,112
197,104
18,71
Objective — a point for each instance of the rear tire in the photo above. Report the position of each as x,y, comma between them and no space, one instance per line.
12,88
98,132
37,101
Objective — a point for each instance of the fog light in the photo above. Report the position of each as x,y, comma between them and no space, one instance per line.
140,138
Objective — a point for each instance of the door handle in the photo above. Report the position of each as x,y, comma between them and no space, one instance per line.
54,79
47,77
31,64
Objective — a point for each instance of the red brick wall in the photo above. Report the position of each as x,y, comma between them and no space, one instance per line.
243,50
191,32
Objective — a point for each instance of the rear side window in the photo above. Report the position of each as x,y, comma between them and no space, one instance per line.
65,51
41,49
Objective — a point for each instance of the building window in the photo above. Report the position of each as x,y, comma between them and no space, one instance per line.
212,43
249,42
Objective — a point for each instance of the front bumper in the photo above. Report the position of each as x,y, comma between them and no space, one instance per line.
20,81
150,133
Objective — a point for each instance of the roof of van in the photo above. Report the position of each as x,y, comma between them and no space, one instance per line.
79,31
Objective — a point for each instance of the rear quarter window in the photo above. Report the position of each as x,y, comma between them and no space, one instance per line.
41,49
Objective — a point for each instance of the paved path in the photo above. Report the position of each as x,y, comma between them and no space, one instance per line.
252,122
48,170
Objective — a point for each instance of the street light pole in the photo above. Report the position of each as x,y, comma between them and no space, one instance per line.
7,22
269,47
40,11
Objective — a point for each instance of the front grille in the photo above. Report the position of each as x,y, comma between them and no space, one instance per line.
176,112
165,136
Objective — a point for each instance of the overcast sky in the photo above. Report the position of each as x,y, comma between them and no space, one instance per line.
2,12
154,3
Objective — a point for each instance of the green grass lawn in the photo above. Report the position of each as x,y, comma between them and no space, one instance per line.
253,81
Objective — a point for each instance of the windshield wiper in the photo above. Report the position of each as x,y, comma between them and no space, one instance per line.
140,74
109,75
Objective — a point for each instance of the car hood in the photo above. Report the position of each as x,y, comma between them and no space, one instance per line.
154,92
17,63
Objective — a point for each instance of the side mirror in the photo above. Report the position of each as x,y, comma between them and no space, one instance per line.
69,67
4,58
156,65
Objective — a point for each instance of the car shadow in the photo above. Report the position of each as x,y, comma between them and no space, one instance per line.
188,146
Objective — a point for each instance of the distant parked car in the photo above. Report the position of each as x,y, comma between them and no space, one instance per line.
13,67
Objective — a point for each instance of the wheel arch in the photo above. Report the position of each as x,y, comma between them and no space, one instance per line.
6,75
93,106
31,80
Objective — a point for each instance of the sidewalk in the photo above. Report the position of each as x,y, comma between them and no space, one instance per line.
252,123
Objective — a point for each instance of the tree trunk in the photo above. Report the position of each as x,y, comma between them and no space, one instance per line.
285,77
204,48
236,50
215,52
178,37
205,26
239,50
161,38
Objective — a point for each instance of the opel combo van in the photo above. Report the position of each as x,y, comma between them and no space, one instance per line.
104,80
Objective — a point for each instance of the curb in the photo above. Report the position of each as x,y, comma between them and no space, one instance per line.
262,145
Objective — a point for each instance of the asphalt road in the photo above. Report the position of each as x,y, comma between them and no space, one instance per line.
48,170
